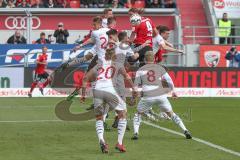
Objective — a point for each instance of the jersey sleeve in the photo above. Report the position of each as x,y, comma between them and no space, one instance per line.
168,80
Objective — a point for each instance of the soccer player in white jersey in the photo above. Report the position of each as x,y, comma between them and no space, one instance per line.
156,83
106,73
100,40
159,42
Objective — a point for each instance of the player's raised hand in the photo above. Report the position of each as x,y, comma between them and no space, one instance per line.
181,51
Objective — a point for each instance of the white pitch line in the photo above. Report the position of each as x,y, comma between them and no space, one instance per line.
31,121
42,121
195,139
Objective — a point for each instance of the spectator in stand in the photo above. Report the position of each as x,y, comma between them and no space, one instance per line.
10,4
116,3
24,4
156,4
2,4
42,39
65,4
233,57
89,3
50,4
224,30
61,34
38,4
170,4
17,38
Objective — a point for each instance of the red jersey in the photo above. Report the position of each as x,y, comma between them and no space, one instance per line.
158,57
40,69
144,31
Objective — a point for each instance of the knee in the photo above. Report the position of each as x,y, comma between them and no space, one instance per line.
122,114
99,117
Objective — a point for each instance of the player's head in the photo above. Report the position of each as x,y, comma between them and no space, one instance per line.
112,35
164,31
44,49
110,54
149,57
135,19
112,22
97,22
123,37
133,11
107,12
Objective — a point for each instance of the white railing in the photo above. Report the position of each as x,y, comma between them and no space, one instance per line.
195,35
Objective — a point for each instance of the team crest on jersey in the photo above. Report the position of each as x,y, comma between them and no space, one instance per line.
212,58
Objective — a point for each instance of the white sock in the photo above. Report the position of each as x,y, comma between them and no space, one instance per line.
100,130
121,129
104,117
136,122
178,121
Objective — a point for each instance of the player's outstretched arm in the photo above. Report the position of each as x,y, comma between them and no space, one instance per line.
170,84
169,47
89,41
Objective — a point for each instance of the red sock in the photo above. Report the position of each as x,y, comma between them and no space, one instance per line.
34,84
46,83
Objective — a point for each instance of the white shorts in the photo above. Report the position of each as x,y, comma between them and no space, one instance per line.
108,97
145,104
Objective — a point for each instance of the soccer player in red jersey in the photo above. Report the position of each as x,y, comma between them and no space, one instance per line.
143,30
161,43
41,77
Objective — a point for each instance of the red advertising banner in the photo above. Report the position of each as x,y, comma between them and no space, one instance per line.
72,22
183,77
214,55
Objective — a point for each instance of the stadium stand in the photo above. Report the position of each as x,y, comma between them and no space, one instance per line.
193,18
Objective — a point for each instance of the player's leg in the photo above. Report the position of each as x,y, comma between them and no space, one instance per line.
106,127
91,65
122,124
33,85
143,107
166,107
116,119
45,77
99,112
120,107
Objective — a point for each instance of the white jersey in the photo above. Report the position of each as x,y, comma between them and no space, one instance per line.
104,22
122,52
154,80
157,41
107,73
101,40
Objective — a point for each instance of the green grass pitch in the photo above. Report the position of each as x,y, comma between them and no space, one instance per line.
24,137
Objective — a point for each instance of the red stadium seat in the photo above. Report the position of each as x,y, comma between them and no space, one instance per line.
75,4
139,4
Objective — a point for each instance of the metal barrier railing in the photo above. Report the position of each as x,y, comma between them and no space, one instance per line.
194,36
